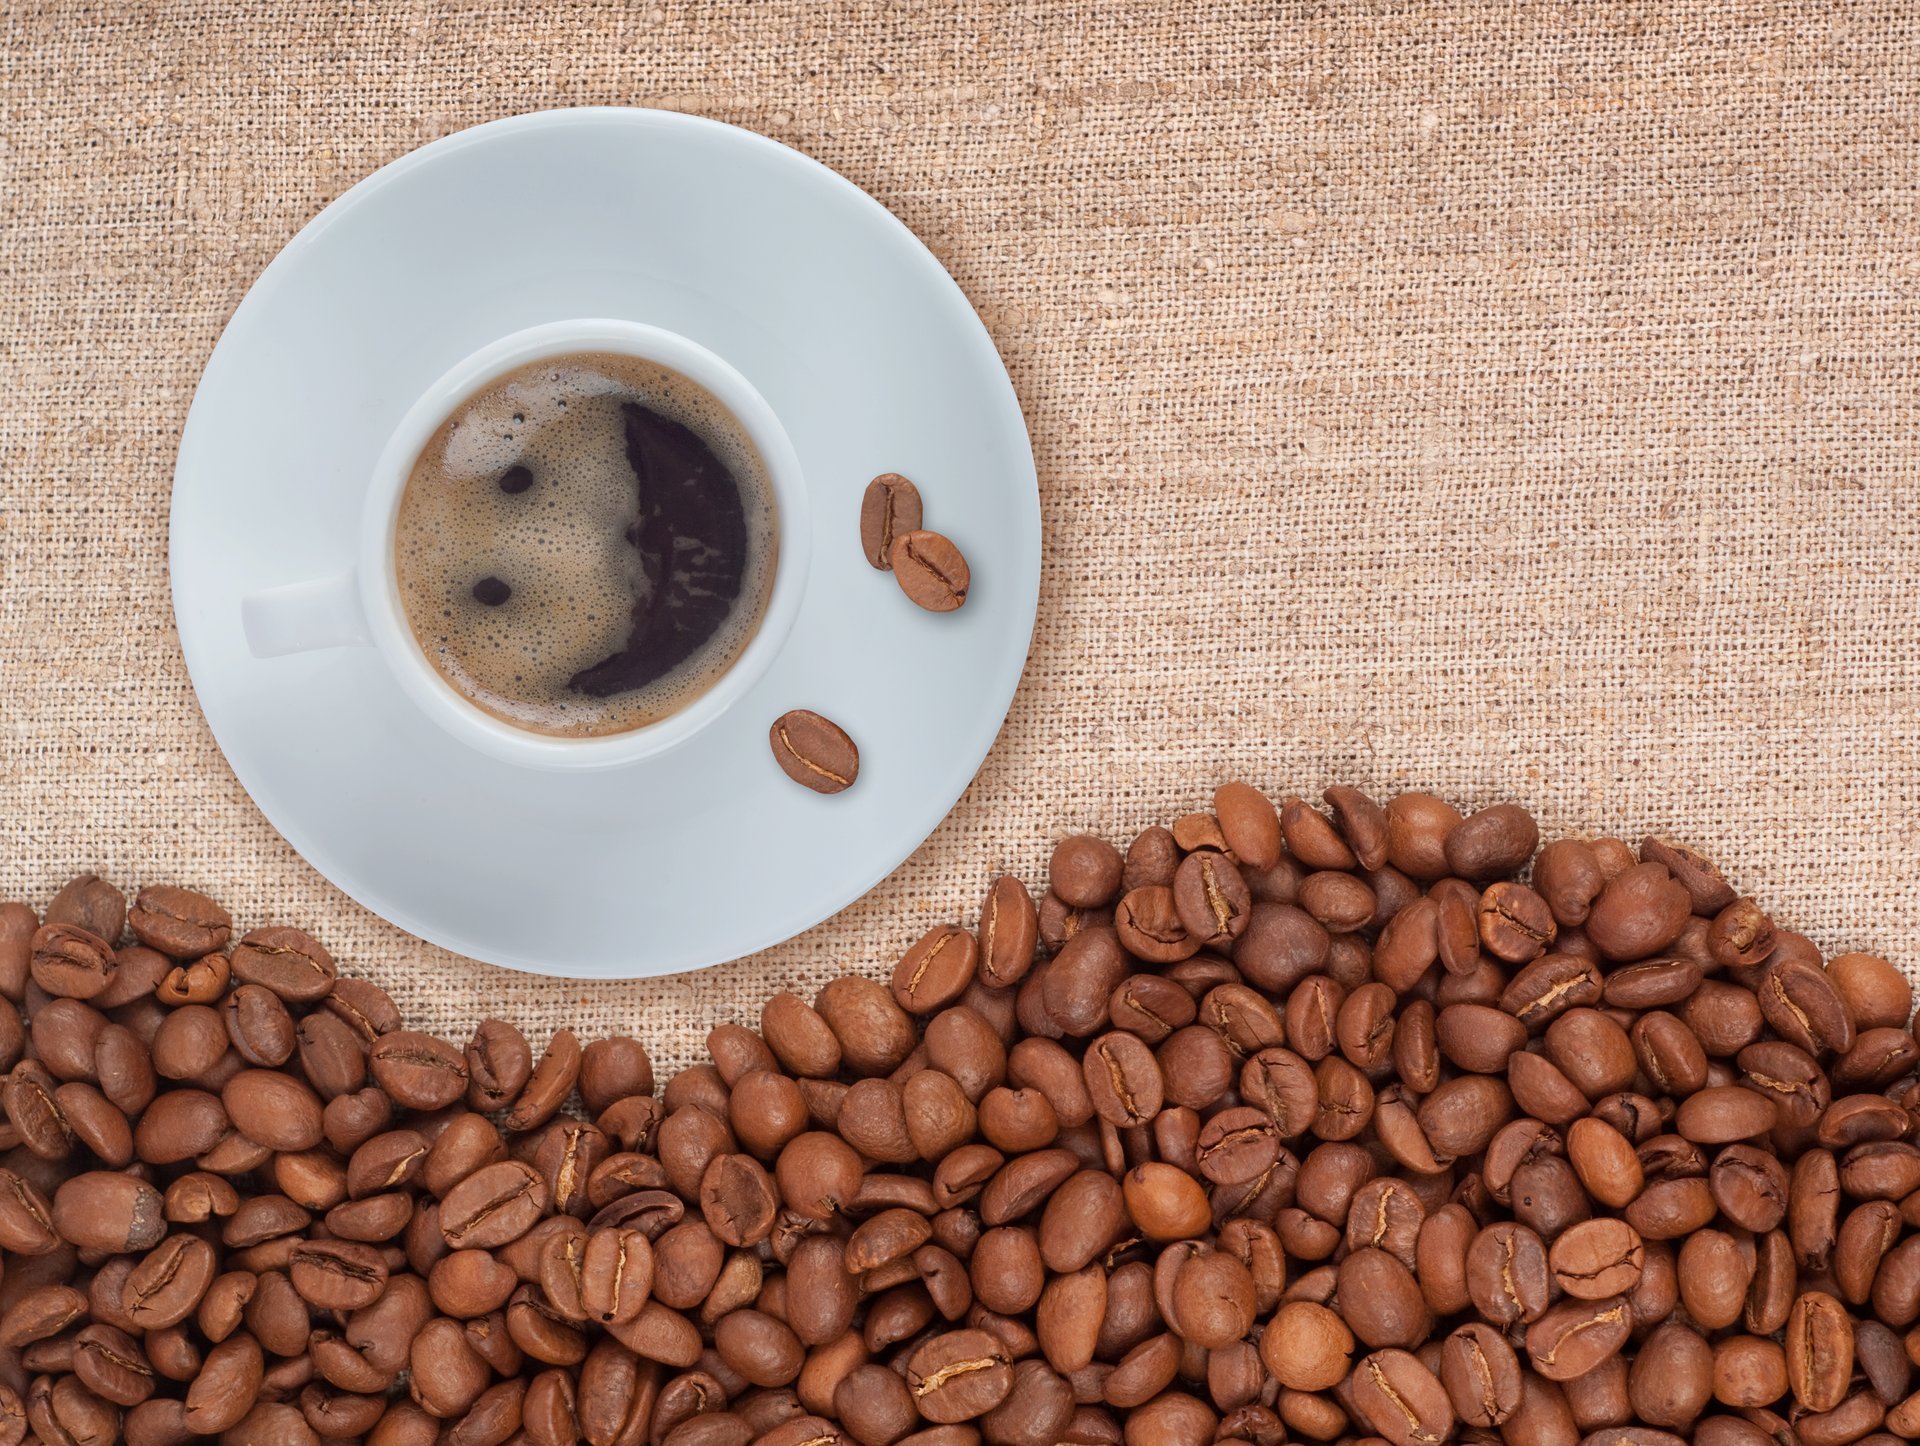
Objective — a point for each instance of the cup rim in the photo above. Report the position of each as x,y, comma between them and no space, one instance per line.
379,587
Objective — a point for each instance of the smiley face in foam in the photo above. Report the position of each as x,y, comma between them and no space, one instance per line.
586,545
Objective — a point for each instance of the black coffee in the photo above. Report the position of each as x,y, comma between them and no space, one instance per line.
586,545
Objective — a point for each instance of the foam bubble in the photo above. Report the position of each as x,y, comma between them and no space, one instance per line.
563,546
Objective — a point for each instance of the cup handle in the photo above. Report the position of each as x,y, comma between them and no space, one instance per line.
323,612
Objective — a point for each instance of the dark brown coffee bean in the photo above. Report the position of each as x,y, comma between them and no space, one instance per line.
1085,871
1568,876
931,571
1381,1300
801,1039
259,1026
1281,945
111,1364
363,1006
1819,1348
1152,859
169,1283
1463,1114
1361,823
813,751
1341,902
1876,993
1748,1371
93,904
1740,935
1306,1347
1478,1037
227,1386
1750,1187
1721,1115
1724,1017
1282,1084
889,509
818,1174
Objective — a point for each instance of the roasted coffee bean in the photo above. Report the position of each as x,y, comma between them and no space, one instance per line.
1401,1399
889,509
1211,897
547,1088
1495,841
814,751
71,962
1481,1375
108,1211
1638,913
1877,994
931,571
1804,1008
1575,1336
417,1070
1249,823
93,904
959,1376
936,970
337,1274
179,922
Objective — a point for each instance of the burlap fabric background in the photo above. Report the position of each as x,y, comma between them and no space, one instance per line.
1508,400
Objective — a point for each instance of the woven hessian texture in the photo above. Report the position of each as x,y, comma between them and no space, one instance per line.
1508,400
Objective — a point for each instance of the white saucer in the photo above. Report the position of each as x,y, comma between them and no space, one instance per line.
874,361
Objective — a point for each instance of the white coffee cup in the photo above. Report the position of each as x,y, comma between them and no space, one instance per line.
361,606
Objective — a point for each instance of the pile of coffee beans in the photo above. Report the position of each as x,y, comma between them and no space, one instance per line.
1285,1125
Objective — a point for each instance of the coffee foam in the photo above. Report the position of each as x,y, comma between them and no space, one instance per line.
562,545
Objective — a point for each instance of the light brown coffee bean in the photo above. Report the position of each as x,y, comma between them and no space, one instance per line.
815,752
931,571
889,509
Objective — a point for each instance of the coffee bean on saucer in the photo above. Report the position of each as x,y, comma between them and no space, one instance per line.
814,751
890,508
930,570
